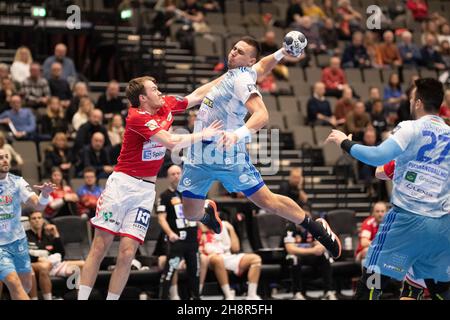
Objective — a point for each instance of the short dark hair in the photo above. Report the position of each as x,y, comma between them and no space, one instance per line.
89,169
135,88
431,92
252,42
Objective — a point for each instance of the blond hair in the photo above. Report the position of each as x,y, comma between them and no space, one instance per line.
17,55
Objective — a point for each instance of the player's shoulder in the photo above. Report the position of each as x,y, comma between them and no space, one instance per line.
14,178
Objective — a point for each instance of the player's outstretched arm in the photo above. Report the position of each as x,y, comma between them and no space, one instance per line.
178,141
196,97
39,203
266,64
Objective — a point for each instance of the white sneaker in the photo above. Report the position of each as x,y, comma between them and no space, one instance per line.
255,297
299,296
175,297
330,295
232,295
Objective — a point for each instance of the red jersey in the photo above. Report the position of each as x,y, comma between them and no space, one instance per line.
389,169
140,156
369,229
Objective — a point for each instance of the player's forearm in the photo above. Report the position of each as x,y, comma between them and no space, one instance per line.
179,141
164,225
374,156
196,97
258,120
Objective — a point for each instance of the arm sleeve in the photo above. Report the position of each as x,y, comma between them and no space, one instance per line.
377,156
176,104
25,190
245,86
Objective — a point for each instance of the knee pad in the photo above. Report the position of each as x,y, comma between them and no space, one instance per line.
438,290
412,292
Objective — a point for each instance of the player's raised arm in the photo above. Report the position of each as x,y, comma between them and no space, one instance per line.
196,97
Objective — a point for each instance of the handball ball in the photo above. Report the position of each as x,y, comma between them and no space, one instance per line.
294,43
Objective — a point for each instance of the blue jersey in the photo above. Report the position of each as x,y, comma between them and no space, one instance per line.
13,191
421,178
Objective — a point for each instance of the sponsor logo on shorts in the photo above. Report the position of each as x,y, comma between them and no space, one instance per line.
152,125
393,268
243,178
142,220
411,176
187,182
107,215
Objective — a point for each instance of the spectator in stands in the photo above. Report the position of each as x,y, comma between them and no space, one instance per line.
85,107
59,154
371,45
393,94
96,155
53,120
110,102
303,250
374,94
8,89
86,131
59,87
404,111
69,72
365,172
194,22
116,130
431,58
222,250
430,27
63,201
409,51
369,229
334,78
35,88
418,8
378,119
4,72
164,18
20,68
388,53
312,10
47,255
319,108
344,106
16,161
444,35
444,111
192,117
355,55
294,187
294,13
80,90
311,32
445,53
330,36
22,120
357,121
89,193
348,18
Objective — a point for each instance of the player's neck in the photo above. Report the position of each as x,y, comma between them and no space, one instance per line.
150,110
3,175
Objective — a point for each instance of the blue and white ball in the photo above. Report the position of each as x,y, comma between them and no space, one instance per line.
294,43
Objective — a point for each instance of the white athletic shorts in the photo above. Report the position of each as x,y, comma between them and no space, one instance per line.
232,261
124,206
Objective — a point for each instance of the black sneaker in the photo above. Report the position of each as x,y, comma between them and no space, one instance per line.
331,242
211,218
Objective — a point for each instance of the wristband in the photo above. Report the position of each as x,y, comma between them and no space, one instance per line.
43,201
347,144
278,55
242,132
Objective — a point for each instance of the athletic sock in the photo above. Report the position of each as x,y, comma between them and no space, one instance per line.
34,298
252,289
84,292
226,291
173,292
47,296
112,296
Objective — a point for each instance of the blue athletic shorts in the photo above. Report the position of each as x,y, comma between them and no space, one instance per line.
236,173
406,240
14,257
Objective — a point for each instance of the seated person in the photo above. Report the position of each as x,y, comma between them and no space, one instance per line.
63,201
89,193
47,255
222,252
304,250
369,229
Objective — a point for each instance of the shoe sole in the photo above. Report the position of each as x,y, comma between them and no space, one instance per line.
216,213
335,236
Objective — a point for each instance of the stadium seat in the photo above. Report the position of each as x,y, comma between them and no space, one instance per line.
74,235
303,134
288,104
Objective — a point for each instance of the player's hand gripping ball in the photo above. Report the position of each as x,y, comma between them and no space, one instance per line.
294,43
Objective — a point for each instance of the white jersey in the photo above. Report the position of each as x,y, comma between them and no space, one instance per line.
226,101
13,191
421,178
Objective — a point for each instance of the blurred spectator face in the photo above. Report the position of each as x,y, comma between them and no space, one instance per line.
57,177
359,108
117,121
306,22
86,105
378,211
60,51
407,37
16,102
35,70
4,70
432,26
24,55
370,137
357,39
270,37
56,70
319,89
347,93
335,63
190,2
377,107
60,140
89,178
388,37
174,175
113,89
36,220
54,104
80,90
446,29
97,141
329,24
394,79
96,117
430,40
445,46
7,84
296,177
375,93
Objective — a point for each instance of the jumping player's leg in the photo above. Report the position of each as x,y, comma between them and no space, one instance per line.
100,245
193,208
119,278
290,210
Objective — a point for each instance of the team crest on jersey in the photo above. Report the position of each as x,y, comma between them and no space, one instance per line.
169,117
152,125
